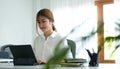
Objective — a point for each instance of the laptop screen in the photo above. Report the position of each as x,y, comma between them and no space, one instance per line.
23,55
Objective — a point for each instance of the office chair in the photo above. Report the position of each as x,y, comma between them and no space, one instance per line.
72,46
5,52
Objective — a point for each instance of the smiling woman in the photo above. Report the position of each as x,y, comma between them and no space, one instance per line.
46,42
74,13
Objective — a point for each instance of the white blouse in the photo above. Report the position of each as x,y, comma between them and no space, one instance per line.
44,48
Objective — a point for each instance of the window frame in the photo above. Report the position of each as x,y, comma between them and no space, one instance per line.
100,10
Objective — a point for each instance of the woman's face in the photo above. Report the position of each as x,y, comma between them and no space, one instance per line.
44,24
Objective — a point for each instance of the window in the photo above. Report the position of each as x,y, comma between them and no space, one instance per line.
100,9
109,30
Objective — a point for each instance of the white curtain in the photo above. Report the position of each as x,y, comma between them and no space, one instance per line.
71,13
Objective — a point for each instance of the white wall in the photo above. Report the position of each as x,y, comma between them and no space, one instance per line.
16,22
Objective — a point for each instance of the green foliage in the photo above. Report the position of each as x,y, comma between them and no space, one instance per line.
57,58
115,39
110,40
59,54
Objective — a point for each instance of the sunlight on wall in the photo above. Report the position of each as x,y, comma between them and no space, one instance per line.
85,22
68,18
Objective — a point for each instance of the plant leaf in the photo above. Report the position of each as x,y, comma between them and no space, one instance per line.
56,58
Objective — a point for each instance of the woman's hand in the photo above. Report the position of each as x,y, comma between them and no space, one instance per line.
41,61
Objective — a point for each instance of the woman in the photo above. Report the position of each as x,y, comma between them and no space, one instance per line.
45,43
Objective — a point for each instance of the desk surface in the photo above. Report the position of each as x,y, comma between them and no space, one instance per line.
101,66
6,60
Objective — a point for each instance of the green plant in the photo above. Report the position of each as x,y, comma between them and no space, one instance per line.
115,39
59,54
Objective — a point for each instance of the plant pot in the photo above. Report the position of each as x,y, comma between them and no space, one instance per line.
94,61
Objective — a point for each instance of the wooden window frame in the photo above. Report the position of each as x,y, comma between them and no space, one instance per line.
99,5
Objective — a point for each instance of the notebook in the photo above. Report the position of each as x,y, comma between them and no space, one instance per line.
23,55
70,62
76,60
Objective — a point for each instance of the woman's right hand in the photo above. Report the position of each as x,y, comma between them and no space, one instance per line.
41,61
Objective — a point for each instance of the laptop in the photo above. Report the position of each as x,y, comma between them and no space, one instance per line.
23,55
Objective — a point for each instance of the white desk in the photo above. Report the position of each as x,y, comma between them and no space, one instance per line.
101,66
6,60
